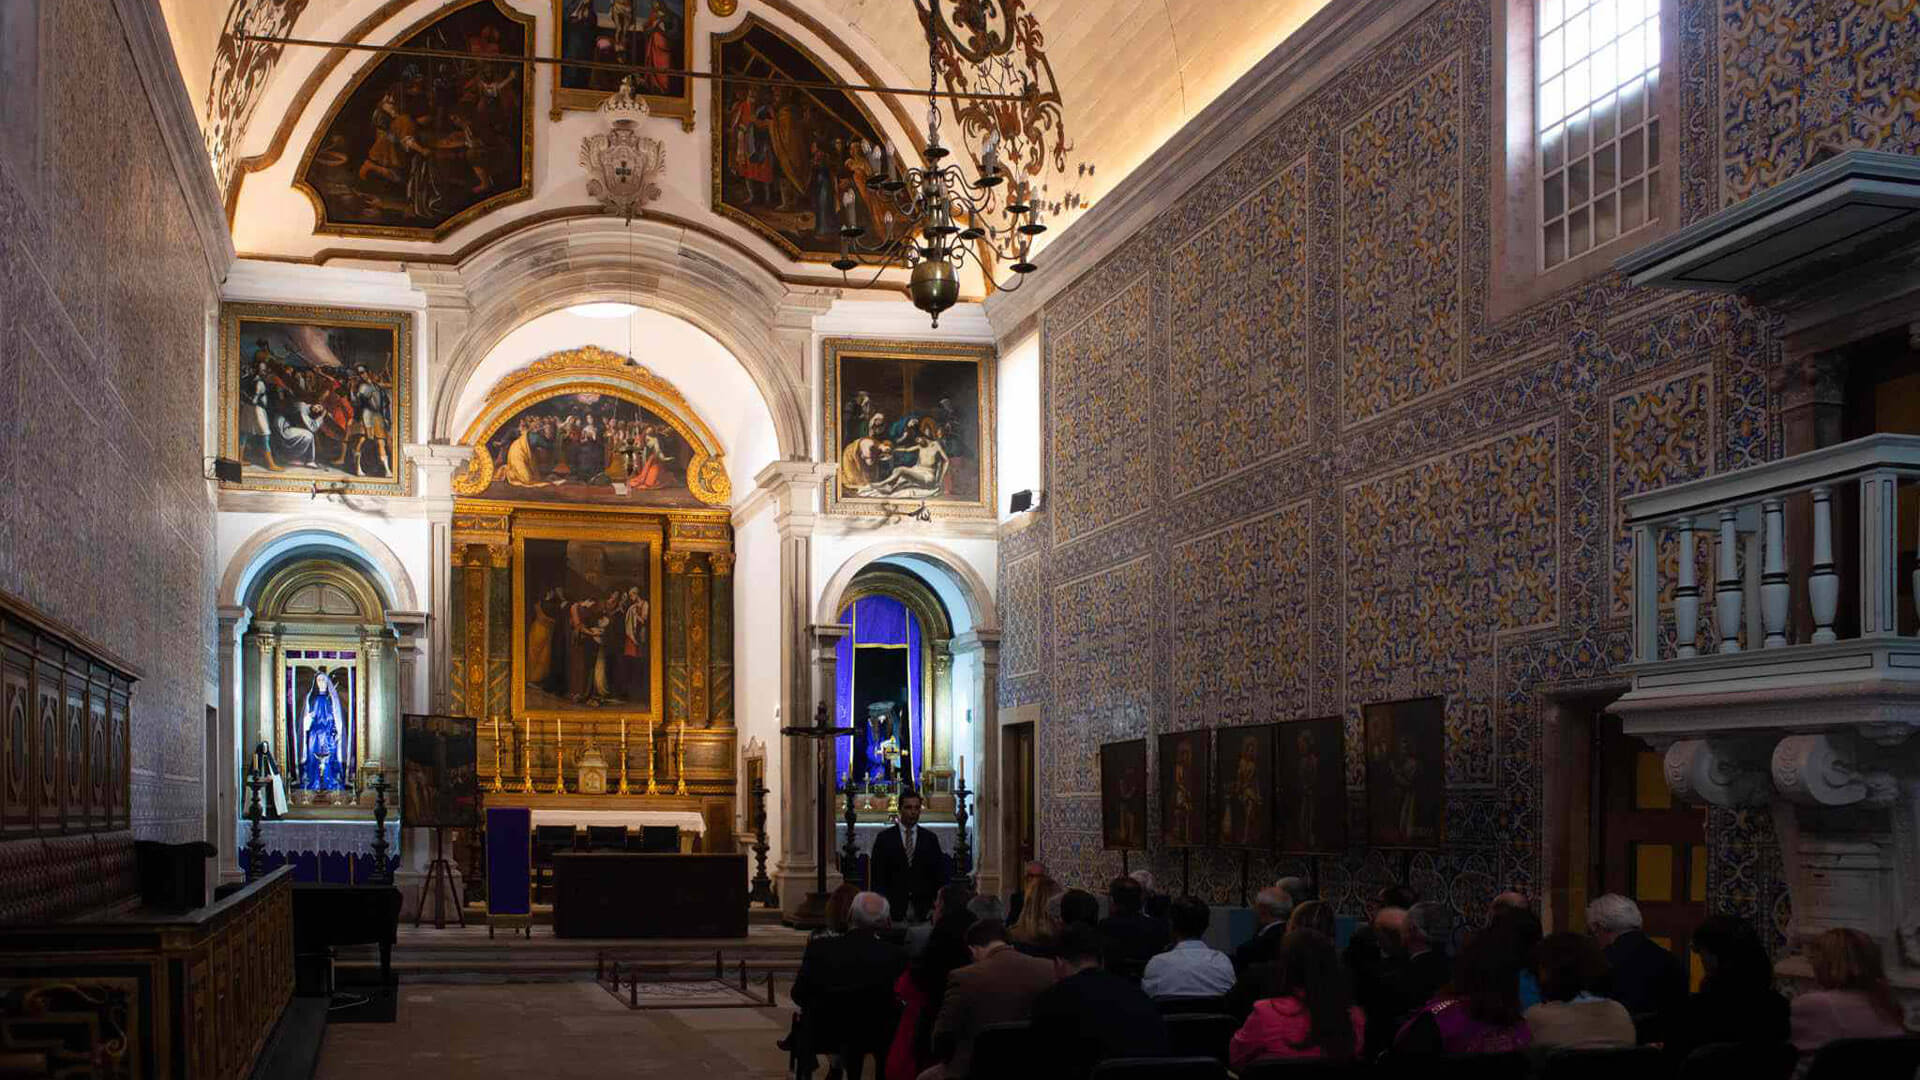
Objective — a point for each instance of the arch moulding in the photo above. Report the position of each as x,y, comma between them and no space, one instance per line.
980,606
345,535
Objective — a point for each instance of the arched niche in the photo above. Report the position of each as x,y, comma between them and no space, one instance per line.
928,636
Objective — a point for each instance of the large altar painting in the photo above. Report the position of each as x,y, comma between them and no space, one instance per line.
316,395
1406,773
589,448
910,422
791,162
655,34
420,145
587,622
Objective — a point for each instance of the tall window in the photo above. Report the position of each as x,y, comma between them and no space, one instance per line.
1597,69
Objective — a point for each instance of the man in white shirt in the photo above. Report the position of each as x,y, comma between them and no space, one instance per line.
1190,968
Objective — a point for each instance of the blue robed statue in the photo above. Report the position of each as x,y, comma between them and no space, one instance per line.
320,767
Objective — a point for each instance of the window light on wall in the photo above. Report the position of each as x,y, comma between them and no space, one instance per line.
1597,70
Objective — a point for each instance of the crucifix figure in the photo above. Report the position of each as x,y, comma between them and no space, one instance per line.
813,910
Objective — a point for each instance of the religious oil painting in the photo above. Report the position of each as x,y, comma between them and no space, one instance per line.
419,145
792,162
320,713
1310,786
1183,789
1406,773
912,423
589,447
316,396
1123,795
1243,786
440,771
656,35
587,621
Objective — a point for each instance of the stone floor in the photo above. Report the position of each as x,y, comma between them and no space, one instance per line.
551,1029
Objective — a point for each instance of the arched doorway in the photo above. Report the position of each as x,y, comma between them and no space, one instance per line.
894,686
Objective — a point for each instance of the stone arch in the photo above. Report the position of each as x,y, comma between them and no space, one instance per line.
266,547
973,590
695,278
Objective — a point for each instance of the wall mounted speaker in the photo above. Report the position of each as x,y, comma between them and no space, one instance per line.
1022,501
226,470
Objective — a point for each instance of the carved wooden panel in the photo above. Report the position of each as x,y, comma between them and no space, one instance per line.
16,745
65,735
73,764
99,753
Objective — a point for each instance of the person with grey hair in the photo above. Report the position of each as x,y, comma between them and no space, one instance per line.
1295,887
845,982
1649,980
1270,910
1427,928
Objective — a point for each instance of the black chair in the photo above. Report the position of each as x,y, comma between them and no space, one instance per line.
1513,1066
1174,1006
660,838
1303,1069
856,1025
1866,1059
606,837
1621,1063
1004,1049
1169,1068
1747,1061
1201,1034
548,839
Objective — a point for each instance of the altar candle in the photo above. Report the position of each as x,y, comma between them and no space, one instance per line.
963,768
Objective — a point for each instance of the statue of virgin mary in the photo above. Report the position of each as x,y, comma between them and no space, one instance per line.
320,766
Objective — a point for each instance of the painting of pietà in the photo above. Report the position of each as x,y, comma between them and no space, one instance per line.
910,422
1406,772
1311,786
1183,789
590,626
1243,786
1123,795
591,448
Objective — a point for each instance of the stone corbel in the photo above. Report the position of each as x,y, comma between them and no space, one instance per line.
1824,770
1728,773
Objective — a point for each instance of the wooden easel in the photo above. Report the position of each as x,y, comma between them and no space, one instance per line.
439,872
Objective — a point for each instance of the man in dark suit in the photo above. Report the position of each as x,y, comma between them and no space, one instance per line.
1128,938
845,985
1649,980
1270,910
1000,985
906,865
1091,1015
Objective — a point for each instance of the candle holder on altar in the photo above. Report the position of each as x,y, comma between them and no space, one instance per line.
680,763
526,758
499,784
623,756
559,759
652,788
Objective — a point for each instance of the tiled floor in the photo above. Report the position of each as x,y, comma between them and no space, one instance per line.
524,1031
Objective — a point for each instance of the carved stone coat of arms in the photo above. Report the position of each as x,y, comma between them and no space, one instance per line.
623,166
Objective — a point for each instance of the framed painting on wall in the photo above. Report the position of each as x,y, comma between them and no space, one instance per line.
910,422
655,34
312,395
1123,795
1243,786
1311,786
791,162
587,620
1183,789
1406,772
440,783
418,146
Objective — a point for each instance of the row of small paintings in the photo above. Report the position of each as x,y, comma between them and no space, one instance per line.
1282,787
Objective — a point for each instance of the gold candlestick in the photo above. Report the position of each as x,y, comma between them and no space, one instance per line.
559,759
526,759
623,756
498,784
652,789
680,767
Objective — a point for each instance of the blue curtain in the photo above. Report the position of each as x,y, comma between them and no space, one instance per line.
877,621
843,704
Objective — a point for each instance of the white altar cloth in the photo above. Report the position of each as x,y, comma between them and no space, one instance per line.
687,820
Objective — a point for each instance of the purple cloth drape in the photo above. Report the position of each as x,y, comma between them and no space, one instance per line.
877,620
842,704
914,719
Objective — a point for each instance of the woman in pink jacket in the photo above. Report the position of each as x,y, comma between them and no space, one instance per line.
1854,1000
1312,1014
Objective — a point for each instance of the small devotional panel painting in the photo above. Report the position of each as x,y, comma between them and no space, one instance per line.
316,396
440,772
653,34
792,162
910,422
1183,789
1312,786
1406,773
419,145
1123,795
1243,786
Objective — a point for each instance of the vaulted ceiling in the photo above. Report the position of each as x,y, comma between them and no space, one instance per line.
1130,72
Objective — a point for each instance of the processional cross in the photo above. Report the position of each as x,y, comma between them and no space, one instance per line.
813,910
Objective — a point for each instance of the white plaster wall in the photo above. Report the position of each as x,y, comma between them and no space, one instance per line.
1018,442
705,373
756,650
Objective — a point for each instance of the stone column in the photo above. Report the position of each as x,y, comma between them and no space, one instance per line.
382,721
699,603
678,691
990,852
408,629
436,465
234,748
721,640
1812,391
266,721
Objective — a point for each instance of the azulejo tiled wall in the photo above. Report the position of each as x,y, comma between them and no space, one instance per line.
105,520
1295,466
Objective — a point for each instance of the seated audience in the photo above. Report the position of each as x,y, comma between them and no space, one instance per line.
1373,959
1034,873
1259,980
1311,1013
1315,915
838,904
1478,1012
999,985
1271,908
1508,901
1400,896
1427,928
951,898
1650,981
1079,906
1091,1014
1296,889
1157,904
922,988
987,906
1737,1001
845,985
1519,930
1191,968
1572,971
1128,938
1038,926
1854,1000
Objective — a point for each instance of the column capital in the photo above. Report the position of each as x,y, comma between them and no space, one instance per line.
231,617
985,642
437,464
1727,773
1829,770
676,560
722,562
408,624
826,636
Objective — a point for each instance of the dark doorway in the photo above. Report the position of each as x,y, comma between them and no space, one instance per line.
1646,844
1019,756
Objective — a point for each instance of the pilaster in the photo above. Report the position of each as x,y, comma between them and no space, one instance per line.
436,464
990,851
230,752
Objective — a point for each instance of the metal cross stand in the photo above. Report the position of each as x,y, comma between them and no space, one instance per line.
962,847
813,910
382,870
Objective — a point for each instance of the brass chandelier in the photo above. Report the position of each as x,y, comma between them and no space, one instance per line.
934,219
